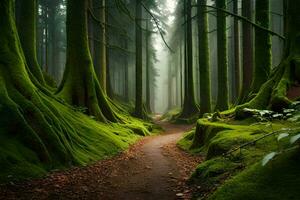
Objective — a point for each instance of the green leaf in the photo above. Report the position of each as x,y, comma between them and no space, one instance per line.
295,138
268,158
288,111
282,135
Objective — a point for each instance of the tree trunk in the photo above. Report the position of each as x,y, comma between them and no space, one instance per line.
190,108
277,92
263,46
204,63
126,74
100,47
54,52
27,113
247,51
148,40
27,33
237,62
80,86
139,111
223,97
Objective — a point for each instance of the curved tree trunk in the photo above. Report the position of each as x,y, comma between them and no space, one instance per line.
223,97
27,33
28,114
263,46
80,86
204,63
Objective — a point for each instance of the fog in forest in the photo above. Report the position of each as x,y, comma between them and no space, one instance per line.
150,99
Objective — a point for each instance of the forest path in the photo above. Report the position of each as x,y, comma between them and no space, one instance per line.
154,168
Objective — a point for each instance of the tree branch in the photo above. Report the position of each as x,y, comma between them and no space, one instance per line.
157,25
244,19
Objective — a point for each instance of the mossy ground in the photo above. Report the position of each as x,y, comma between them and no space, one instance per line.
89,141
278,181
175,116
247,178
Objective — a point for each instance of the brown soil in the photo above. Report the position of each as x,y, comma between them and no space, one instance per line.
154,168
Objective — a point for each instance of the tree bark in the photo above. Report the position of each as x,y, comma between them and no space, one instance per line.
27,34
237,62
263,46
80,86
100,47
274,94
223,97
204,62
148,40
247,64
139,109
190,108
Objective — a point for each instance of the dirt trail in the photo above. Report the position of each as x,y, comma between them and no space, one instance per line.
154,168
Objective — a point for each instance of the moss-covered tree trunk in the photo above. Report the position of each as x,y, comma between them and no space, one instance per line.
204,63
263,48
274,94
223,97
247,45
190,107
80,86
27,33
27,114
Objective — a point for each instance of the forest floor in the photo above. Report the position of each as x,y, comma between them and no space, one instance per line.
153,168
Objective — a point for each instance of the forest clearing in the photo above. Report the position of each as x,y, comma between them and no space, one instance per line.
150,99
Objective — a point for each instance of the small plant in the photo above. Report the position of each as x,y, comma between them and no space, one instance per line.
269,115
294,143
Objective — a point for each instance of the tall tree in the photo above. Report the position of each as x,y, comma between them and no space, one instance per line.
53,38
247,65
263,46
100,46
190,107
237,62
27,34
139,108
204,63
80,86
276,92
223,97
147,41
126,73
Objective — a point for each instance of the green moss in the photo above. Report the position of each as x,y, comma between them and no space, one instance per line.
186,141
278,180
38,131
171,114
213,171
218,138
